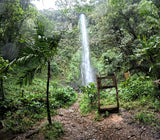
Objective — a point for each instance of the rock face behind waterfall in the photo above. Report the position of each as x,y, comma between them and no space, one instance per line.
86,69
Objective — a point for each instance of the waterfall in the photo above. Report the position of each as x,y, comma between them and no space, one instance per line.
86,70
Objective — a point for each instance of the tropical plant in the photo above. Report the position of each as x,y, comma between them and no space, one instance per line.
91,92
39,53
88,100
135,88
4,67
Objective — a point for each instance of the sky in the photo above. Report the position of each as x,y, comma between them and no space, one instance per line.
44,4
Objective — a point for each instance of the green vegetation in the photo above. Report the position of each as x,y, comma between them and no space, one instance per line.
137,93
146,118
124,37
40,59
88,98
22,111
137,87
53,131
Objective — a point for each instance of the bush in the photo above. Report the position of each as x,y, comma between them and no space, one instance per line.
53,131
65,96
146,118
91,93
17,122
155,105
88,98
135,88
108,97
21,113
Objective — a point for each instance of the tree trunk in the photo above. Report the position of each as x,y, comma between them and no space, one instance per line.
1,89
48,109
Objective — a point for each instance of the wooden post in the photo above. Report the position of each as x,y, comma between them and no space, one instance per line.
127,75
117,97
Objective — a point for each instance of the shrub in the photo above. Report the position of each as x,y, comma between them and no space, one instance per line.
88,98
53,131
108,97
65,96
145,118
135,88
91,93
21,113
98,116
155,105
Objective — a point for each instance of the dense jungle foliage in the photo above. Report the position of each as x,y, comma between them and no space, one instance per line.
40,62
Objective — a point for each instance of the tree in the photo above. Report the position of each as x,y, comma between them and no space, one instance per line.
13,14
4,66
38,53
131,28
11,20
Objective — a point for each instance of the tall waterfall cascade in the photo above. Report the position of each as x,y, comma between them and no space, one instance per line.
86,69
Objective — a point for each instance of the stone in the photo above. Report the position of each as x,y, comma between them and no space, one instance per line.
158,137
70,110
60,114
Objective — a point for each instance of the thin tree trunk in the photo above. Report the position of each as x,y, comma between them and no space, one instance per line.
1,89
48,109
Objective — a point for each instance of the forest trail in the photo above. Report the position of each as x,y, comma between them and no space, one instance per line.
114,127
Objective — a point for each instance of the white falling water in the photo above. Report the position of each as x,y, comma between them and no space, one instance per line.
86,70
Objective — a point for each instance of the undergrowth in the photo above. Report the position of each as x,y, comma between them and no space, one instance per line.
22,109
146,118
52,132
135,88
88,100
138,93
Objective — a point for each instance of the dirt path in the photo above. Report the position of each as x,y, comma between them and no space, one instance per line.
115,127
112,128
